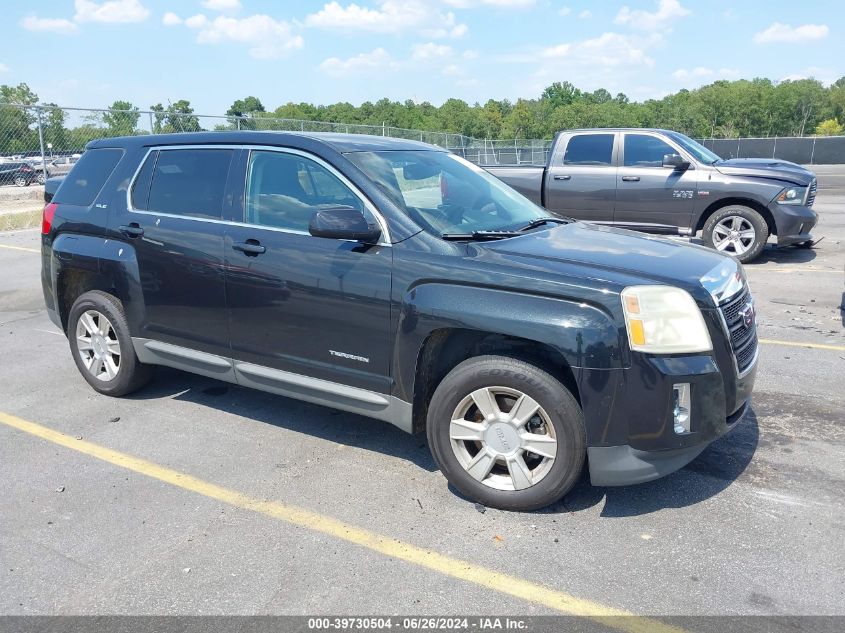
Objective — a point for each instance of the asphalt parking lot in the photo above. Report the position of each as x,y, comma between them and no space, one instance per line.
198,497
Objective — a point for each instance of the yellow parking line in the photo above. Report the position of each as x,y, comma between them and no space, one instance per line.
300,517
20,248
835,348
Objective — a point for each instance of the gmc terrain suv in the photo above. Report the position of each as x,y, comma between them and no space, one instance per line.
660,181
395,280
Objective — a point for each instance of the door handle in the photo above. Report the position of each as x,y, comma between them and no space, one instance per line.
564,177
631,178
250,248
133,229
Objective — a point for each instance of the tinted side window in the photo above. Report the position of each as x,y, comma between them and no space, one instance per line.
642,150
140,194
589,149
81,186
190,182
285,190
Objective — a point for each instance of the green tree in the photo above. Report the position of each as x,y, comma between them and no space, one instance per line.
830,127
176,117
242,110
121,119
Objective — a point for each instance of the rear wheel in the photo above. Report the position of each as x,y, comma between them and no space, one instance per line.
737,230
101,346
41,178
506,433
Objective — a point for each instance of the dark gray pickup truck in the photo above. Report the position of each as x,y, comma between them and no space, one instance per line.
660,181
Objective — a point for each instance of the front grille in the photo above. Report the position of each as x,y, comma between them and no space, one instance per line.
811,197
743,334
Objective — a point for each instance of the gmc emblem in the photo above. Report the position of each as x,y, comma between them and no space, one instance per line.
747,314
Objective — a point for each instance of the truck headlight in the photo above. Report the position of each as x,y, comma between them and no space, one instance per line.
792,195
664,320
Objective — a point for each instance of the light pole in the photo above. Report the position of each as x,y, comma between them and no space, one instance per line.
50,147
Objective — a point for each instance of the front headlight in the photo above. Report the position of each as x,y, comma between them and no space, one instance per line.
792,195
664,320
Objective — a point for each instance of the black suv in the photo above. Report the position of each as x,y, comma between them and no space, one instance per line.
18,173
396,280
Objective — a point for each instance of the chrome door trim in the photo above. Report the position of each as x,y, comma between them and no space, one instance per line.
385,232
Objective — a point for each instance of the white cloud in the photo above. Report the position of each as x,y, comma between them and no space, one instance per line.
52,25
586,13
667,10
112,11
390,16
453,70
701,73
171,19
564,11
430,50
506,4
196,21
267,37
608,50
778,32
222,5
3,68
366,63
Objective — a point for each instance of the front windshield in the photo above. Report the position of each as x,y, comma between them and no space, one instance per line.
701,153
446,194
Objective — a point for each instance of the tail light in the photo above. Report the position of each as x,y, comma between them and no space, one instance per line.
47,218
26,168
444,187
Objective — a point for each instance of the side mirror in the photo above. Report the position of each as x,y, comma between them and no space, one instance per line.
343,223
674,161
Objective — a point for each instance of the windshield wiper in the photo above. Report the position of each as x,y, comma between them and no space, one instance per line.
481,235
533,224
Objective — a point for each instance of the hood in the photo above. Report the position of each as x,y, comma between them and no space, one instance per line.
629,256
766,168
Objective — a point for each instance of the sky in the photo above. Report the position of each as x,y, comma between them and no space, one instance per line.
87,53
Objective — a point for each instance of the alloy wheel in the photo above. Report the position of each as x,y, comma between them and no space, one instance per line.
734,234
97,344
503,438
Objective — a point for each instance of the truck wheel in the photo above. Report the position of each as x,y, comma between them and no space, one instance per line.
737,230
101,346
506,434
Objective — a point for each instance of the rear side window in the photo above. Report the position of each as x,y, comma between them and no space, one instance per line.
642,150
84,182
141,187
589,149
188,182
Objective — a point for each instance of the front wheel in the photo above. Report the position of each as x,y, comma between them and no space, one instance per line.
737,230
506,433
21,181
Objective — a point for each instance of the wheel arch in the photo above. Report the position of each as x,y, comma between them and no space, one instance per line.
745,202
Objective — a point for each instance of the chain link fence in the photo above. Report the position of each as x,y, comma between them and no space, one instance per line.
38,142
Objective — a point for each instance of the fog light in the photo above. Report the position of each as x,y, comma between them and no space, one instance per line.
681,409
801,229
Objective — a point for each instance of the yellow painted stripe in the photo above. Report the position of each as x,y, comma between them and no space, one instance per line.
300,517
20,248
835,348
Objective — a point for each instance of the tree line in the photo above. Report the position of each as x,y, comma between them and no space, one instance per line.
723,109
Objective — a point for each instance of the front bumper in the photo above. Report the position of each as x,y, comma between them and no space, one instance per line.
625,465
793,223
629,413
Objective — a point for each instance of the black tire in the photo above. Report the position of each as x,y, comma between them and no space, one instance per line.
131,374
41,179
761,230
559,405
21,181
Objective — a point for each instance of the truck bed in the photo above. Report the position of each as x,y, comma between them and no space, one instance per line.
526,179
